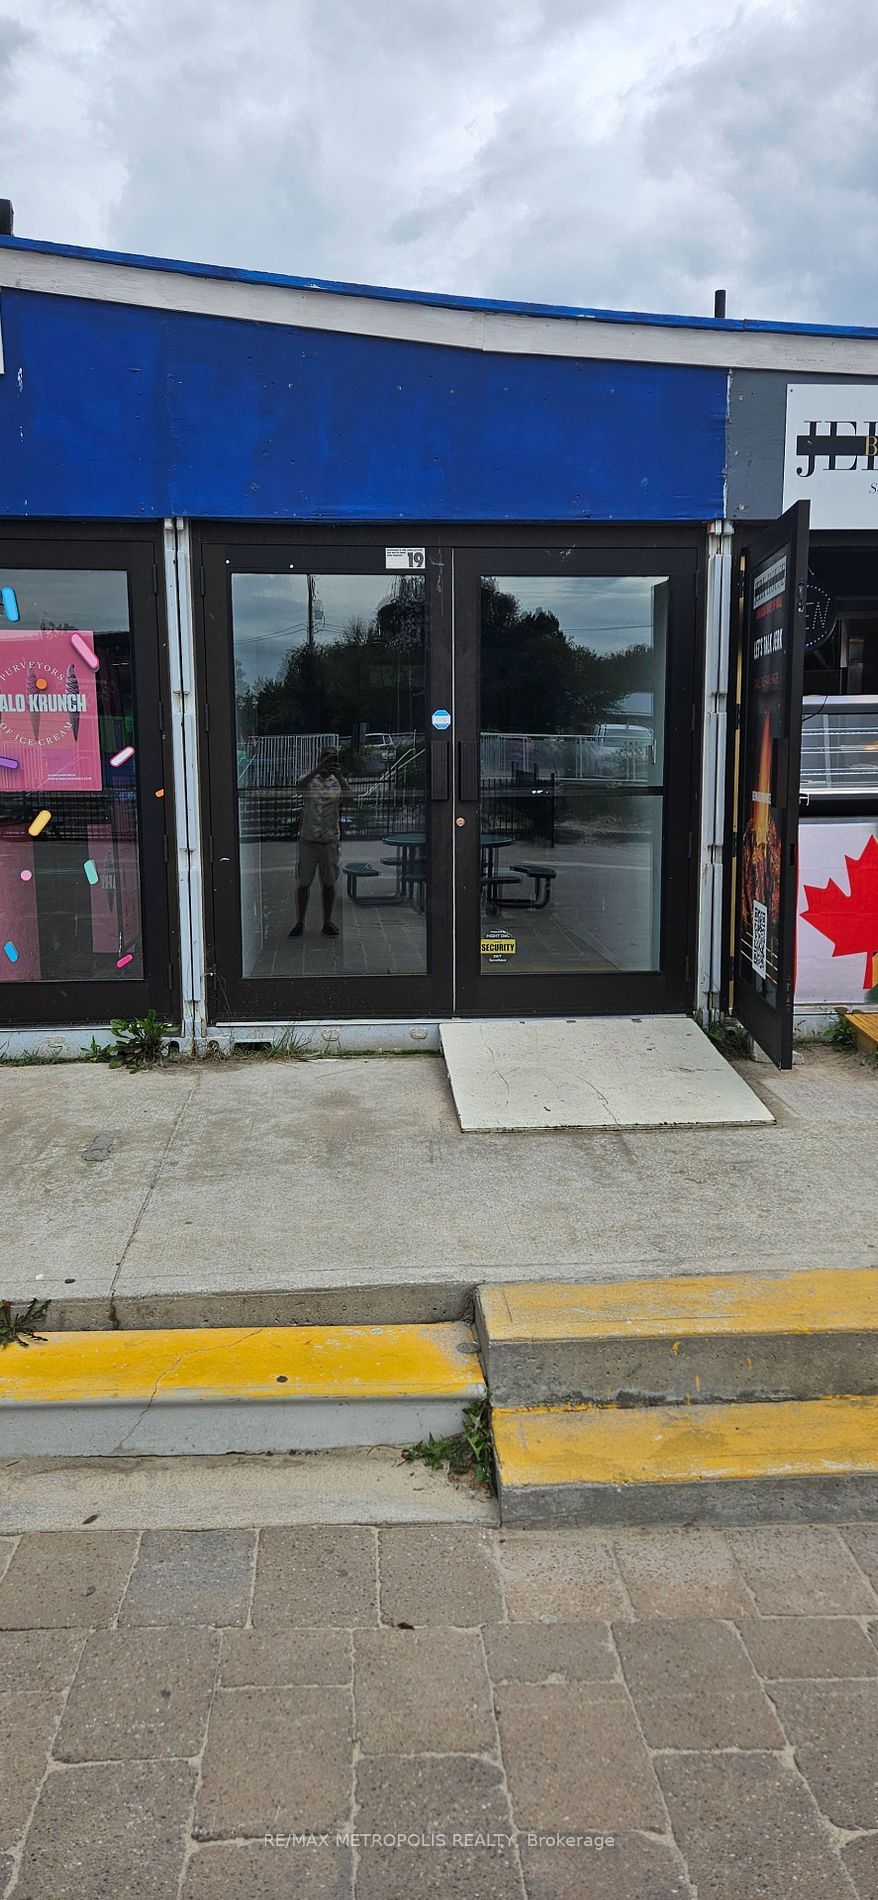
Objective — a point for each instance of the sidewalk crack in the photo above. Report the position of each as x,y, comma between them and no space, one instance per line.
153,1182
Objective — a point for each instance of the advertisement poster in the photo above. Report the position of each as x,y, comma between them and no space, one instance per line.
761,846
48,713
837,961
772,663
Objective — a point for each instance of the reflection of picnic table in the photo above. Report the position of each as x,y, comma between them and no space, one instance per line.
495,882
410,864
492,843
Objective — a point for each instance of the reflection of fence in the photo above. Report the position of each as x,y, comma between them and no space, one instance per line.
522,805
379,806
274,814
280,758
623,750
271,809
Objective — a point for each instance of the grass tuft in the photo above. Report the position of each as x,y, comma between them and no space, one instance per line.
469,1453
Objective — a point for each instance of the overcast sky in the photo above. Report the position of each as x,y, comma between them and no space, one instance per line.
619,153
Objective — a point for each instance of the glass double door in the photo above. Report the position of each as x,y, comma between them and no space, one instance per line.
449,778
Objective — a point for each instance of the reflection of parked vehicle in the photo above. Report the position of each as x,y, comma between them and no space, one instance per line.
616,749
377,751
623,737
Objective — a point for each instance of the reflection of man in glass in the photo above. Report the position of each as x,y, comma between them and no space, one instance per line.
319,836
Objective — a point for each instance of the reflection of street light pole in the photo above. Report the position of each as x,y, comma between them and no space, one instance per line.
316,616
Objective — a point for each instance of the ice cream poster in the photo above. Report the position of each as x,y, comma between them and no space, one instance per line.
49,733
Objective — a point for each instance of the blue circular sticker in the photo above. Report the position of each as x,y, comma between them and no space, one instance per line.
441,719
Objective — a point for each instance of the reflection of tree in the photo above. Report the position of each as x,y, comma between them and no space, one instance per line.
372,675
535,679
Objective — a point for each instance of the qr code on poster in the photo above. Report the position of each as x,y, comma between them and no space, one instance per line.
759,952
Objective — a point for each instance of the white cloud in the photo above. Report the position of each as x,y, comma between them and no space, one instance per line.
611,152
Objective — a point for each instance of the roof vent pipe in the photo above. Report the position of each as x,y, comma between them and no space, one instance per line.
719,303
5,217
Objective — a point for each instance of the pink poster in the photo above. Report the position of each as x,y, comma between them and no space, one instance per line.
49,735
19,931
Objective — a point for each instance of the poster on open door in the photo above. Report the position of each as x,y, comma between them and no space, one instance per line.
773,633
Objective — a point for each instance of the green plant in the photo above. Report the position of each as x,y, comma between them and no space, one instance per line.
95,1051
469,1453
290,1044
137,1044
840,1033
730,1037
16,1328
30,1061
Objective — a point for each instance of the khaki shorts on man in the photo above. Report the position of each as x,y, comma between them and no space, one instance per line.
317,855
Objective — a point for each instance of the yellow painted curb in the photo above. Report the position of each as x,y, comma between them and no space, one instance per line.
676,1444
828,1301
238,1363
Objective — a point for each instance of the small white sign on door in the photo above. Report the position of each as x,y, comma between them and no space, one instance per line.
831,453
405,560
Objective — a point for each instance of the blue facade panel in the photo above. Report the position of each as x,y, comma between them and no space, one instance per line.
115,412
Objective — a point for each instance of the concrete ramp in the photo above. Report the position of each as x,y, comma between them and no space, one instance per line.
593,1072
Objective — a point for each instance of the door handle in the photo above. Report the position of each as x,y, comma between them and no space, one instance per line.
440,773
468,771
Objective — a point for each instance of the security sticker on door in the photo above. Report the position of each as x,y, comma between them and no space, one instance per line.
498,947
408,560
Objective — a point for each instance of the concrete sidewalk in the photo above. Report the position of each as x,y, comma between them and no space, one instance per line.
426,1711
258,1190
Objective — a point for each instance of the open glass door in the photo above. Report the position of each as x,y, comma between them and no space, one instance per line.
575,676
774,598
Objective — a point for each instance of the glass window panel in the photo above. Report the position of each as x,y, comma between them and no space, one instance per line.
572,761
840,745
70,890
331,773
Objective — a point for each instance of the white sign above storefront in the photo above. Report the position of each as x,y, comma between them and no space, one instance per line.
831,453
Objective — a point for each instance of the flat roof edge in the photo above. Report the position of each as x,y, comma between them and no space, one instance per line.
435,299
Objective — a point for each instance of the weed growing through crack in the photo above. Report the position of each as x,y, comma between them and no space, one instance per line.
137,1044
840,1034
730,1037
17,1328
469,1453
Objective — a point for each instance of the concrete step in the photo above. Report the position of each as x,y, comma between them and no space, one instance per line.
358,1485
737,1464
235,1389
692,1340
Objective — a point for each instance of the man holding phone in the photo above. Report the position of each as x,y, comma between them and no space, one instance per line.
324,790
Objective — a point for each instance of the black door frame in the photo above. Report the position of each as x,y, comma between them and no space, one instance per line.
221,551
589,993
138,552
221,547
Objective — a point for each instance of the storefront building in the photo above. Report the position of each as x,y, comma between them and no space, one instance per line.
403,624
